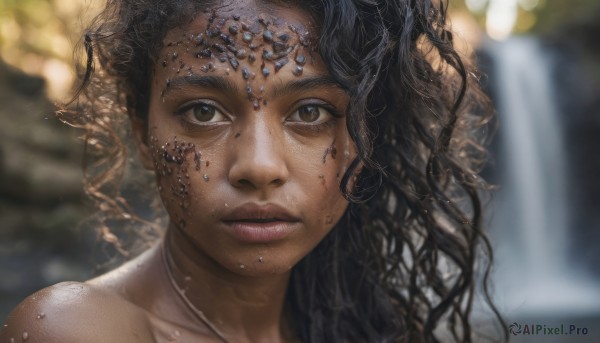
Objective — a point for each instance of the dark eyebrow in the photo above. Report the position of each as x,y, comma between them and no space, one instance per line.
305,83
226,85
194,80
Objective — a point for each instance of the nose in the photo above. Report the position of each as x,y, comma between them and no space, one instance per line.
259,159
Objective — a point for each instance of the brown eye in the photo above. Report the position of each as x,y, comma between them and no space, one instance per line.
203,113
308,113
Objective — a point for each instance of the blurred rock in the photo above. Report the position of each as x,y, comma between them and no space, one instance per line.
40,193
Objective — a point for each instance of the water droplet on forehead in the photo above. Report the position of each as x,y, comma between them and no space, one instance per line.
280,63
279,46
245,73
300,59
247,37
298,70
241,53
268,36
234,63
265,71
233,29
219,47
236,17
283,37
267,54
175,55
226,38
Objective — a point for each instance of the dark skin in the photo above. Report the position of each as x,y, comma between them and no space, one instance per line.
248,154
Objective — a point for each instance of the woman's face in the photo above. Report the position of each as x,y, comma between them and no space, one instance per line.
247,136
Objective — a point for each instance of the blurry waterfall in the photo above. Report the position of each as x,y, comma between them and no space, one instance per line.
534,273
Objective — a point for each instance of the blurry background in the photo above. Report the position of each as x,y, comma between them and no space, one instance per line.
542,61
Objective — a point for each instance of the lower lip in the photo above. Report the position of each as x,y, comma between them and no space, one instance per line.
253,232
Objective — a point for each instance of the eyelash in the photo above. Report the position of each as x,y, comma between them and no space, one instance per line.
331,110
182,111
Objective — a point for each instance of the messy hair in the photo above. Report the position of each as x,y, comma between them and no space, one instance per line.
405,261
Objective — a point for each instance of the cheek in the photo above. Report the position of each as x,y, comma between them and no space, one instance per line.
323,180
179,167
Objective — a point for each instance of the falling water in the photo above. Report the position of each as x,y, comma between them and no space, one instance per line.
534,274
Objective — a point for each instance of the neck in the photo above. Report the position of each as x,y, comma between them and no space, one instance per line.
238,307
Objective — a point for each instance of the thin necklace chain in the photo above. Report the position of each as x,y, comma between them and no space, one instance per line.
181,292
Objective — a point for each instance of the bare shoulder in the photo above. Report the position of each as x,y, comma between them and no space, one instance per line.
75,312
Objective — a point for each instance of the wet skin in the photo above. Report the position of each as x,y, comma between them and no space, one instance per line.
248,154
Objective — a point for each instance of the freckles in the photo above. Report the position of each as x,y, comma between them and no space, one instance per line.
171,164
235,42
331,150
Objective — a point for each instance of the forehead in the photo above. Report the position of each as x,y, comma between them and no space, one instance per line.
257,46
234,33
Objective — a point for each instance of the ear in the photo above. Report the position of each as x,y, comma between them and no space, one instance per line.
139,128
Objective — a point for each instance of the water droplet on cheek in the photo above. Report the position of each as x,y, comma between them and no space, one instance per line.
206,178
25,336
41,315
260,259
242,266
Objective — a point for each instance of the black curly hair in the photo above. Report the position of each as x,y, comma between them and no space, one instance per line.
408,254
